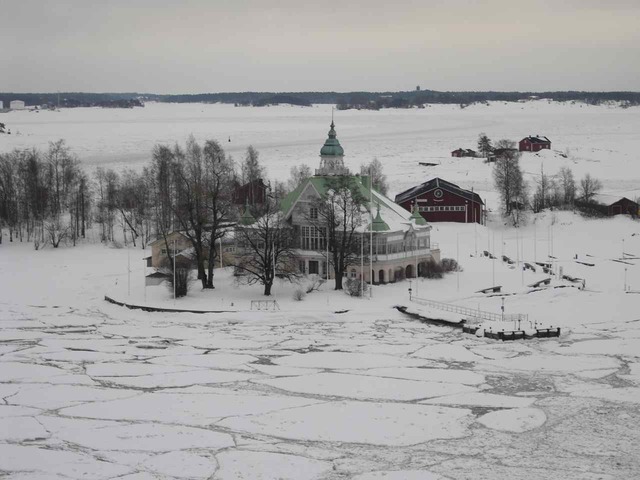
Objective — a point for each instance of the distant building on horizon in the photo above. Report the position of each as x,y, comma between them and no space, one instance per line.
534,144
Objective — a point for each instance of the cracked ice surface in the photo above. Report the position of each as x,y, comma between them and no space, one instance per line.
316,396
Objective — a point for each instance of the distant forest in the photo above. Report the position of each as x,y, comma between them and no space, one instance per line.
359,100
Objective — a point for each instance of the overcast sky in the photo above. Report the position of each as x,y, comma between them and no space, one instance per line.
190,46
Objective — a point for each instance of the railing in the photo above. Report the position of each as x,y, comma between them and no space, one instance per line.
472,313
379,257
265,305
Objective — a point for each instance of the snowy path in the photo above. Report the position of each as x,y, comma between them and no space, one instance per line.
105,392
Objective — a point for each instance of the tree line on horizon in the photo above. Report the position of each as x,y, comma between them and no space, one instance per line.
344,100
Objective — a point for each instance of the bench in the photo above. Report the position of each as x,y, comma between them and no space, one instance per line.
571,279
495,289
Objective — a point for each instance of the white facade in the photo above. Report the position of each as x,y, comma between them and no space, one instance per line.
16,105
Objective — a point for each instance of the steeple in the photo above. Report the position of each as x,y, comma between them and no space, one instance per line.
331,155
247,218
416,217
379,225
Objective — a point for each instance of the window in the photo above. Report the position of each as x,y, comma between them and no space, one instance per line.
313,267
313,213
301,266
353,273
313,238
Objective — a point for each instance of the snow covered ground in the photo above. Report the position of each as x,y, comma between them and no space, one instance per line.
92,390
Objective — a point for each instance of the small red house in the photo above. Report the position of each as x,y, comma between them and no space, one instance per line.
534,144
441,201
612,205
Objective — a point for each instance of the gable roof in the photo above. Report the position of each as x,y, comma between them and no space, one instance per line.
437,183
396,217
607,199
536,139
170,236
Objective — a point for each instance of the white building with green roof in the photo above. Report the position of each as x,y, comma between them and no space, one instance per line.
400,240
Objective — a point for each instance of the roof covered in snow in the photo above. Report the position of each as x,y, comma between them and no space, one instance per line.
437,183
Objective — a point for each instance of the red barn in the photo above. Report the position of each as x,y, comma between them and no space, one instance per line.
612,205
534,144
442,201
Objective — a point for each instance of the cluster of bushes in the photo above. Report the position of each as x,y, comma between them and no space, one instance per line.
309,285
433,269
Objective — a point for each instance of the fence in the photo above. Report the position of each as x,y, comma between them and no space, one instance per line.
472,313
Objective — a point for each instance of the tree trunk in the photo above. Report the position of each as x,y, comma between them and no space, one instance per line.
202,275
338,281
267,288
211,263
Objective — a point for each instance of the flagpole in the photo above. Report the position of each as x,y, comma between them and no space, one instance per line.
128,271
370,233
362,264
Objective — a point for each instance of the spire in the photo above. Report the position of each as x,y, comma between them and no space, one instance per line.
379,225
416,217
247,218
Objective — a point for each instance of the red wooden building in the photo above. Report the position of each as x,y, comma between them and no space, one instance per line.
534,144
612,205
441,201
252,193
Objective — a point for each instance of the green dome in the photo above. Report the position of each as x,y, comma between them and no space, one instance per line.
379,225
331,145
416,217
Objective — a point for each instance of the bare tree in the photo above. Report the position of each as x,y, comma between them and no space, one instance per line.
190,206
378,178
219,177
298,174
265,249
341,211
589,187
568,185
510,182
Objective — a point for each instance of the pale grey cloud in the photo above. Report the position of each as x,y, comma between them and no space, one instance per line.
198,45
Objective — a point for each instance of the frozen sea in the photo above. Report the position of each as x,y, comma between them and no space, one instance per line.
601,140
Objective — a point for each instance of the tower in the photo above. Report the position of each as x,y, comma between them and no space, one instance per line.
332,156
